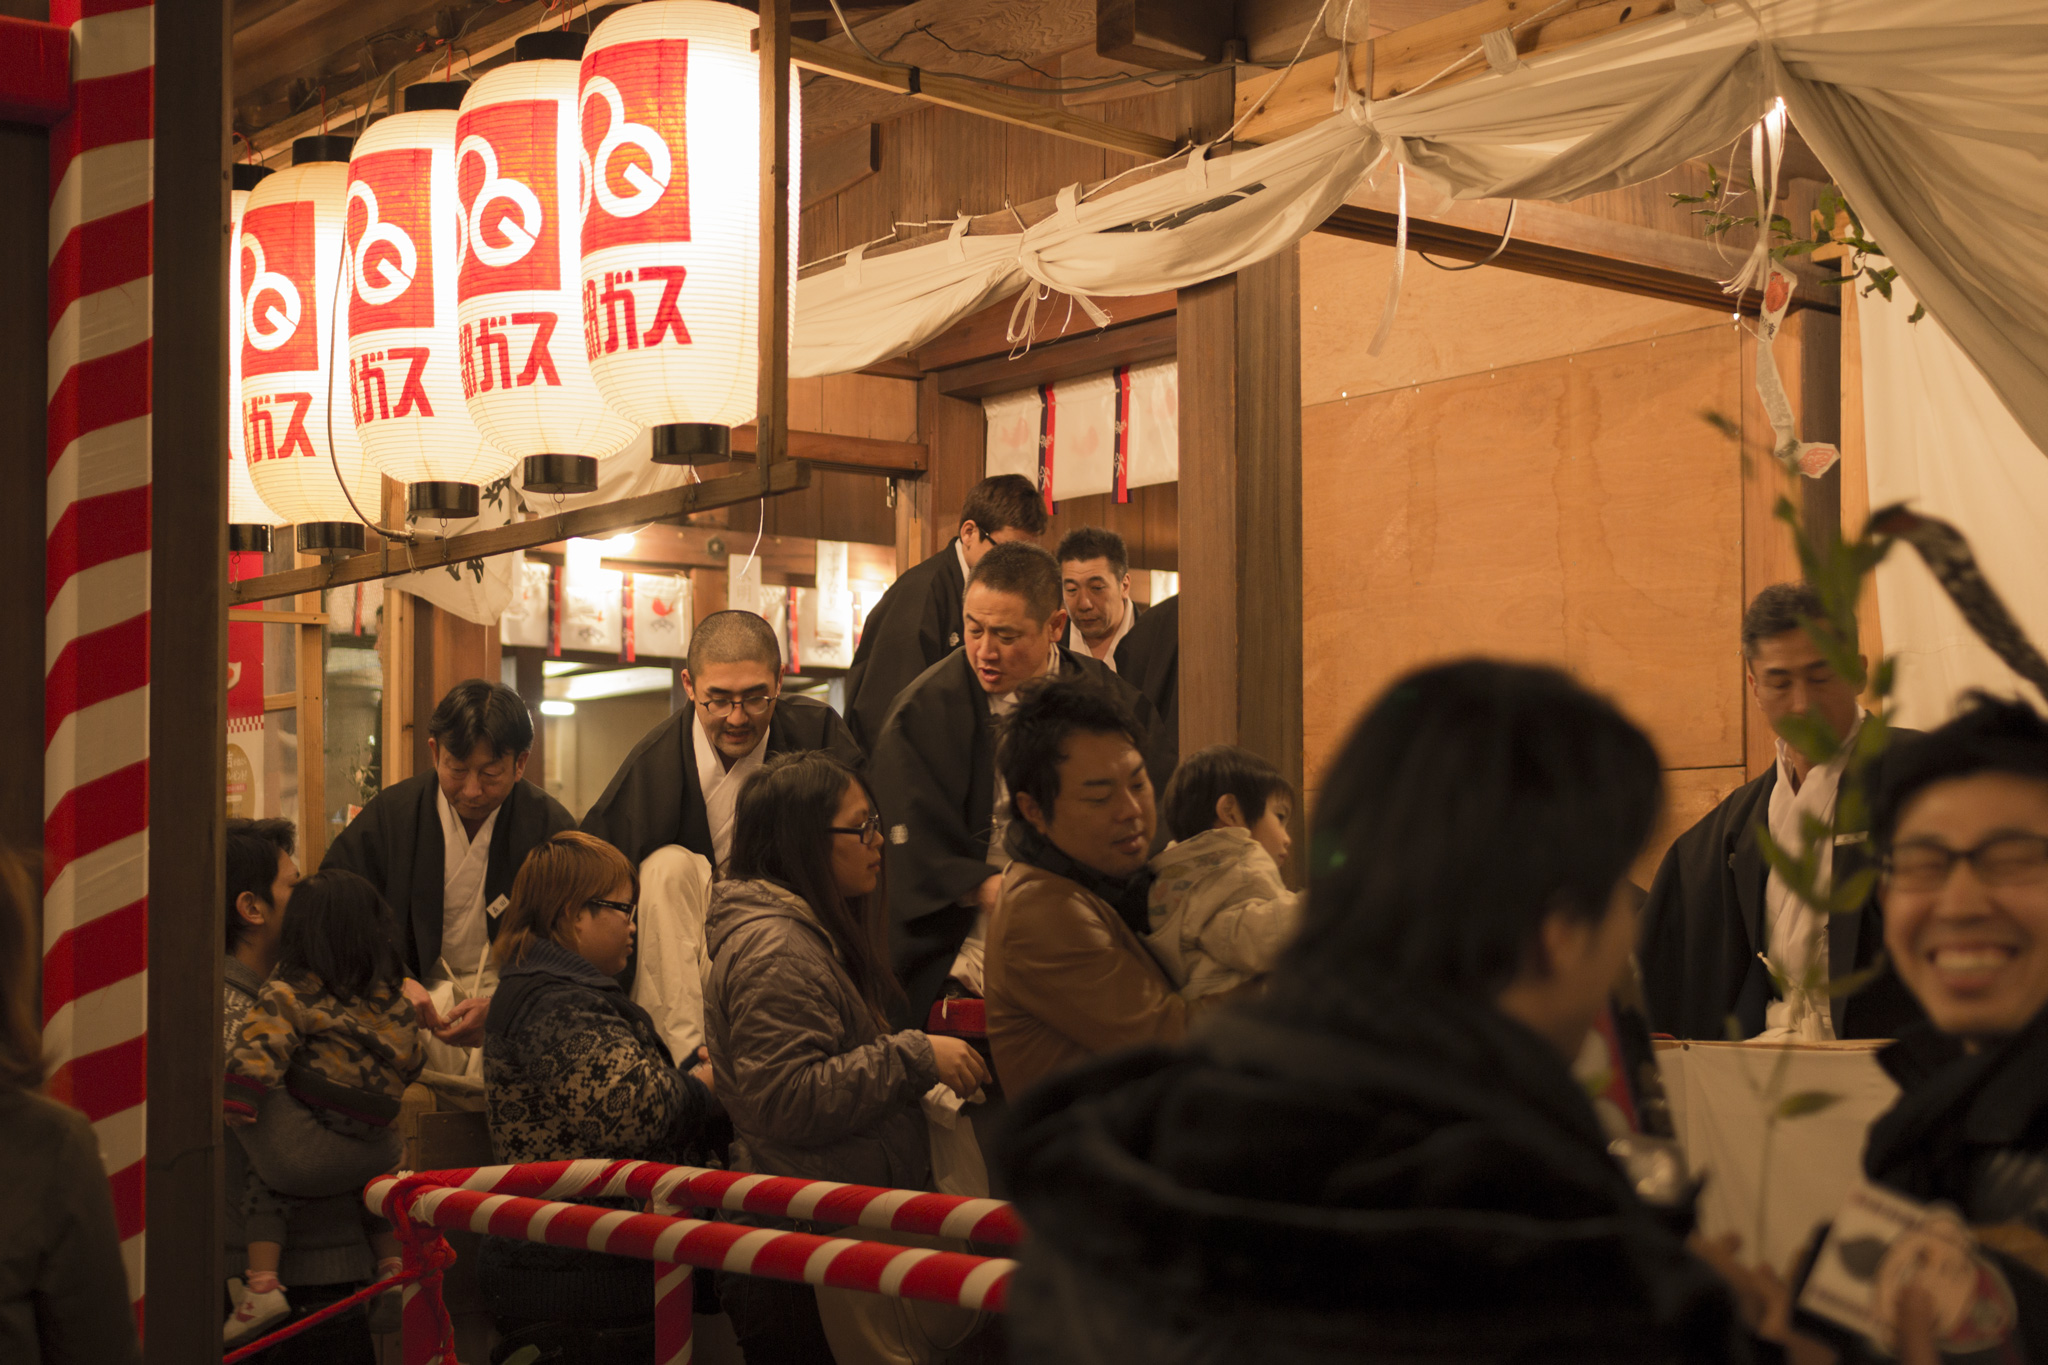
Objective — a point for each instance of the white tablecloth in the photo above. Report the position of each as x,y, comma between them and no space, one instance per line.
1720,1094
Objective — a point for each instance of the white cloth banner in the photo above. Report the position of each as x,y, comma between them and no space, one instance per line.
481,589
525,622
1940,441
662,615
1080,439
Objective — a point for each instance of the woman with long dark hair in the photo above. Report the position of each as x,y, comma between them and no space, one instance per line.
796,1011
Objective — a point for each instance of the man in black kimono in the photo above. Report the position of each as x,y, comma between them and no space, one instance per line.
1095,575
444,847
1149,660
933,770
1716,910
917,622
669,807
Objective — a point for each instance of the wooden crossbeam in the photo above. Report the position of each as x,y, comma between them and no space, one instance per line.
952,93
784,476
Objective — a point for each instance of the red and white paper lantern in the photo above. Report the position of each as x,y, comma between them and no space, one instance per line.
524,370
290,257
670,126
403,232
249,520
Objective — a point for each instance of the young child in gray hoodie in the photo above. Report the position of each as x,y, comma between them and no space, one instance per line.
1220,912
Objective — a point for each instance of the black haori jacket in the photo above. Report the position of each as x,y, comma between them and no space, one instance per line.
1380,1177
934,775
396,843
916,624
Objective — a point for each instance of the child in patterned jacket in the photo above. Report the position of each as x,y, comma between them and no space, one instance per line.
1220,913
334,1029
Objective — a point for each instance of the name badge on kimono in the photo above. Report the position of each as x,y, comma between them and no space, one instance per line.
496,908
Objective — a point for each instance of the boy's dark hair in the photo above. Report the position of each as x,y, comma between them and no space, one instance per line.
1474,800
1092,542
1025,570
1777,609
1209,775
253,848
1990,735
1006,502
479,712
339,937
1034,738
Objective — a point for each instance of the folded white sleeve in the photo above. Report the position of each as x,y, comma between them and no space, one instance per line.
675,892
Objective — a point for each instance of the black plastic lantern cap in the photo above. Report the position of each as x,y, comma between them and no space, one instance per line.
330,537
248,177
692,443
435,95
321,147
244,537
447,501
553,45
563,474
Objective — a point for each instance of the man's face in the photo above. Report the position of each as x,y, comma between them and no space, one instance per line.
1973,947
732,689
974,544
478,783
1104,814
271,932
1789,677
1097,597
1006,647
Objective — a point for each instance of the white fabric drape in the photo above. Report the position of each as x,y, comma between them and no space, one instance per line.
1939,440
1928,112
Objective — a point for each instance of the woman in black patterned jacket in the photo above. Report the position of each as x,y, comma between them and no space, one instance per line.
572,1069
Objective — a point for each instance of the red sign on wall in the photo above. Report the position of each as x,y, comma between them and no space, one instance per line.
389,236
280,301
635,142
505,178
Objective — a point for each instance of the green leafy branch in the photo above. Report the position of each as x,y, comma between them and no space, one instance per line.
1835,232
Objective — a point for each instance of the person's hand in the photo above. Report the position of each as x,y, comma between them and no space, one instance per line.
961,1069
464,1026
988,893
423,1005
239,1120
1913,1330
702,1071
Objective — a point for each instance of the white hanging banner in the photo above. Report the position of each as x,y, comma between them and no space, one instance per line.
1153,437
1130,414
662,605
525,620
590,610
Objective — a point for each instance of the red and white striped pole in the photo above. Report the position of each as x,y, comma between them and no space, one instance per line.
675,1301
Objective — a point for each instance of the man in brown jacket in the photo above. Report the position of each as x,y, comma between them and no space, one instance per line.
1068,974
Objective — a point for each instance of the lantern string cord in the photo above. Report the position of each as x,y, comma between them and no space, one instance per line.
407,534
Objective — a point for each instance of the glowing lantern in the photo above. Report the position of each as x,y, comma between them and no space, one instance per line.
671,134
402,231
290,263
524,370
249,521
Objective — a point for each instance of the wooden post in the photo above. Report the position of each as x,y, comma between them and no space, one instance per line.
772,440
312,674
956,435
532,686
395,643
1239,346
188,570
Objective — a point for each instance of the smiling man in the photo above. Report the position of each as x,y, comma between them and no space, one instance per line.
669,808
1716,909
1963,823
444,847
934,770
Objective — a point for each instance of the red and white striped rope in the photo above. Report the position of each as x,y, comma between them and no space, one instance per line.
96,631
811,1201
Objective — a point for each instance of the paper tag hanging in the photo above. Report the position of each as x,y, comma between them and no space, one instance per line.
1811,458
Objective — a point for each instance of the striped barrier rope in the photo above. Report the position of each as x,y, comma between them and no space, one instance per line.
480,1200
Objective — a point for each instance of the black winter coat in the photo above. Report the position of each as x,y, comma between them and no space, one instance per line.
1388,1178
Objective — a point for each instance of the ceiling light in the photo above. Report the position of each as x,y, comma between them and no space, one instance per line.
558,708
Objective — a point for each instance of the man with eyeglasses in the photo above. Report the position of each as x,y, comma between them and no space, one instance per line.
1717,910
669,808
1963,824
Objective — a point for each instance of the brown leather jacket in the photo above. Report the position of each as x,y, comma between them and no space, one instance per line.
1067,979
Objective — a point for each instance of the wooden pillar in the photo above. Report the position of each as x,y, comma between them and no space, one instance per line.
956,434
531,684
772,425
188,569
446,650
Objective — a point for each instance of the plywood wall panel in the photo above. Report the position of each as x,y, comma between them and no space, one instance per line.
1574,510
1454,323
1689,793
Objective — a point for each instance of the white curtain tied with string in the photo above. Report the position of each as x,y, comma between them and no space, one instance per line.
1927,112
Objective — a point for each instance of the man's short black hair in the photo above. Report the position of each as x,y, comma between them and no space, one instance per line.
1093,542
1779,608
1034,737
732,637
1025,570
479,712
1991,735
1006,502
1209,775
253,848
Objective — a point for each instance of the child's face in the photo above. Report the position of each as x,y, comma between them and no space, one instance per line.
1270,829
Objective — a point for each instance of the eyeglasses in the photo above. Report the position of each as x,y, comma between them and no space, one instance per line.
718,708
630,909
869,830
2002,860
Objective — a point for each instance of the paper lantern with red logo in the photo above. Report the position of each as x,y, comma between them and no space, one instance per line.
670,116
524,370
402,230
249,521
290,261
